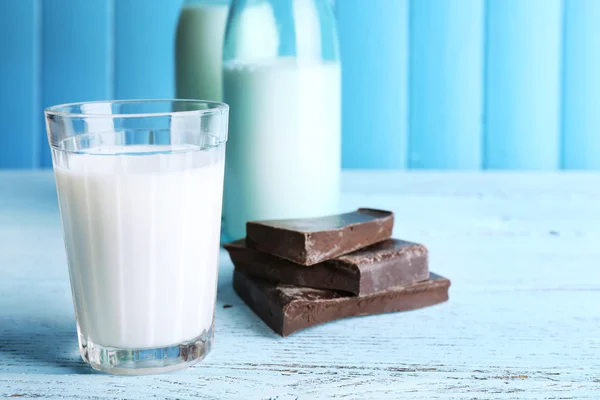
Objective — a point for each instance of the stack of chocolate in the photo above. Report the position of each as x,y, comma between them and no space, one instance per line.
302,272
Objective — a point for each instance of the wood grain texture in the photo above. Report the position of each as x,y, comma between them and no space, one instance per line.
522,321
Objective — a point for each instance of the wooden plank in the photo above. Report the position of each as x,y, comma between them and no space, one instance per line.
581,85
77,53
19,82
374,50
144,44
522,104
446,84
521,322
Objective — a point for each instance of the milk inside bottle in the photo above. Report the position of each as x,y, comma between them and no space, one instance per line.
282,80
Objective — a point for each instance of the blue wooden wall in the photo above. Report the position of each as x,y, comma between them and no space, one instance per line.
523,84
58,51
20,83
445,84
376,132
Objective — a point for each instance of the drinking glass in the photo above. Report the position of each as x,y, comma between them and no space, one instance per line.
140,188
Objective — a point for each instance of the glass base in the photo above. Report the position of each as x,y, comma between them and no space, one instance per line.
146,361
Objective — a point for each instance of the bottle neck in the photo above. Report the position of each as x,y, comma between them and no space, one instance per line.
261,30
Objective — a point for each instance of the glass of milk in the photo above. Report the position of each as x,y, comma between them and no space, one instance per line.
140,188
282,80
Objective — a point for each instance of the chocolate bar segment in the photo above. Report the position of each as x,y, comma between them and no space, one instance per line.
366,271
312,240
287,309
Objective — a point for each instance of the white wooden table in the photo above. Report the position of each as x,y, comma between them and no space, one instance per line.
523,320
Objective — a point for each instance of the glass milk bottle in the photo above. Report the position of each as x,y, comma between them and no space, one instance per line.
199,49
282,80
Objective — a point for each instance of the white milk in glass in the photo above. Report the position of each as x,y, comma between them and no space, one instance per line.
142,234
283,156
199,49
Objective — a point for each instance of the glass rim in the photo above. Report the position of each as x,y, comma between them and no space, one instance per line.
59,109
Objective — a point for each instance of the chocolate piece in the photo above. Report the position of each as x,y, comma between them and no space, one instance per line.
287,309
312,240
375,268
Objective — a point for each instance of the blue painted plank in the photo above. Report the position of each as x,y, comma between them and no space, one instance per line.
19,83
77,53
446,83
374,50
144,44
523,82
581,85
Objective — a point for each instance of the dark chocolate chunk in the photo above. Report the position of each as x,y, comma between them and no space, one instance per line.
373,269
287,309
312,240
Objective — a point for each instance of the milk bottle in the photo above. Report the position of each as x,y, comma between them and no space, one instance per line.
282,80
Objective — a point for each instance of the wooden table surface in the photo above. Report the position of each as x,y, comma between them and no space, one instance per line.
523,320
